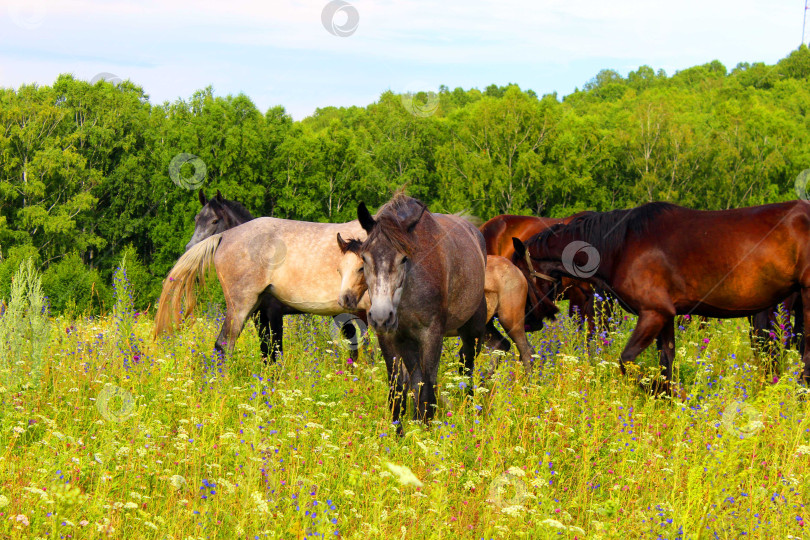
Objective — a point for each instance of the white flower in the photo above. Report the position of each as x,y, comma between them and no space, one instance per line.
404,474
554,523
516,471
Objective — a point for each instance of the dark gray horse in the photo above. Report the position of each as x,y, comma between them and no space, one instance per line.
425,275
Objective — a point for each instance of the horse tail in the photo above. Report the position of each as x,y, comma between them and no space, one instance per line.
189,270
467,215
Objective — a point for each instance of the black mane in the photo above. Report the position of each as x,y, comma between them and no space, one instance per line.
607,231
235,208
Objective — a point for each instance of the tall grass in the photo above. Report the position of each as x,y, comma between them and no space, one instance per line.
158,446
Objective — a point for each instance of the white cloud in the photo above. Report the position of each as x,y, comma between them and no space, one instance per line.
280,48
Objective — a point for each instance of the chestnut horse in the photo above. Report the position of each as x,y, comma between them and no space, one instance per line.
662,260
498,233
425,274
505,290
270,265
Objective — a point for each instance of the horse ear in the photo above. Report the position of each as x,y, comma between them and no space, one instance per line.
520,247
203,200
411,222
219,196
343,244
366,221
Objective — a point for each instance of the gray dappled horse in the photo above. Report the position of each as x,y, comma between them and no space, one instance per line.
270,266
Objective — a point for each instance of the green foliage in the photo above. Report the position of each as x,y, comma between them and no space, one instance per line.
85,168
71,284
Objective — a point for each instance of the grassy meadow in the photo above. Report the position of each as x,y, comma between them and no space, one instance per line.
107,433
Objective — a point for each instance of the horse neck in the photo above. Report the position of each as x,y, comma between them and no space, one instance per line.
236,218
604,273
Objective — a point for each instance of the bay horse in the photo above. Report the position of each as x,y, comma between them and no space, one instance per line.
662,260
498,233
505,291
272,266
425,275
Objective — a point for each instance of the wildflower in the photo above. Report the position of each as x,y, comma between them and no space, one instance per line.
261,504
553,523
177,481
3,501
21,518
104,527
404,474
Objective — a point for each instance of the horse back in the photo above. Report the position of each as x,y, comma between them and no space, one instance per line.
498,231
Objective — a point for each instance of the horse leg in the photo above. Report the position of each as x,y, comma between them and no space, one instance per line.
396,387
798,325
805,303
231,328
759,334
495,339
666,355
650,324
472,339
589,313
511,317
425,373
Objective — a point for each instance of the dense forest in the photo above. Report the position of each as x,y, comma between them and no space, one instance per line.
87,178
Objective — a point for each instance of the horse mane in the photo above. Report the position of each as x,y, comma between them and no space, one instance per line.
607,231
234,207
390,226
353,245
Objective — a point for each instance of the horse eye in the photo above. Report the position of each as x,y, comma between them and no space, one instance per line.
361,269
215,222
404,260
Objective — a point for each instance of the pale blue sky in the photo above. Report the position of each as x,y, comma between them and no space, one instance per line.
278,52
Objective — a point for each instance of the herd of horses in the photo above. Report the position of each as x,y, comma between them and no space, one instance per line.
416,277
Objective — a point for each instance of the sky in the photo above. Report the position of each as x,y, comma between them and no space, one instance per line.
305,54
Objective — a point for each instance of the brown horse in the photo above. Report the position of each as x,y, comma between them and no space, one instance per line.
498,233
505,290
283,265
661,260
425,274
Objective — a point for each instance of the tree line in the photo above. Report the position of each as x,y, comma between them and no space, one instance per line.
88,182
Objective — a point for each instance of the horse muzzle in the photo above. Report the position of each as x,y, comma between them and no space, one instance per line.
383,320
348,300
